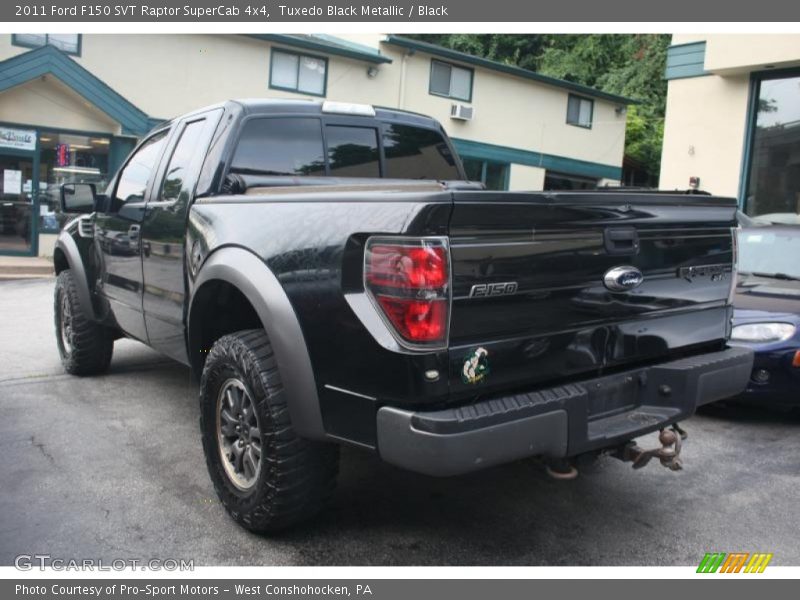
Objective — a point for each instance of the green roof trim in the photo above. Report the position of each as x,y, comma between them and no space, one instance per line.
49,60
530,158
327,44
686,60
462,57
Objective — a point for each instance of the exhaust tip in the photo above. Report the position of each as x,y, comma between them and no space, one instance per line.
560,469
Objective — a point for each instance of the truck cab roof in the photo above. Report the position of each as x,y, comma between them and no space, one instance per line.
283,106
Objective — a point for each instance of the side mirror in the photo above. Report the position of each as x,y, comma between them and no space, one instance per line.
78,198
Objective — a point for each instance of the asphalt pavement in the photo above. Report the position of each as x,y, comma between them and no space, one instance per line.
112,467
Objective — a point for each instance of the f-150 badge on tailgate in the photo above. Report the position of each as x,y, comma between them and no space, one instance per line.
487,290
476,366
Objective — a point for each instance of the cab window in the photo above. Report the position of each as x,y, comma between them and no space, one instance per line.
180,164
353,151
280,147
134,177
417,153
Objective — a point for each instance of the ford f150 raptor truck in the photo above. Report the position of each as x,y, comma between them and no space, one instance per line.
331,278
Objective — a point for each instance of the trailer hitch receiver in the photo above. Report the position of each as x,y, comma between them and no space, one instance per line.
668,454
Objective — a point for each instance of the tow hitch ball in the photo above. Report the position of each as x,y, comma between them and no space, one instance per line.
668,453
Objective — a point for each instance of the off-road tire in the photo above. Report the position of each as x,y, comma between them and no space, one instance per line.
89,345
296,477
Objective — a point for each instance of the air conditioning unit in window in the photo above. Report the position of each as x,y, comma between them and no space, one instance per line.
461,112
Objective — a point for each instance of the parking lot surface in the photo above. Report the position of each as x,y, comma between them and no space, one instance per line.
112,467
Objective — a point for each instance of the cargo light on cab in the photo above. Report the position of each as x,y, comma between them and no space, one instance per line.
408,280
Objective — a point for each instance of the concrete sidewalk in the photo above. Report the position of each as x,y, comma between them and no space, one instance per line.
25,267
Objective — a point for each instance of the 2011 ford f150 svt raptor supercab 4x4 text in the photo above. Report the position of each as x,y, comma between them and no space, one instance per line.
332,278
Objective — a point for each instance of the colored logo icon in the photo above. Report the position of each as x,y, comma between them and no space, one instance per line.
734,562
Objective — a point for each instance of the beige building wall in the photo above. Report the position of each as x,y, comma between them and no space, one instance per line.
525,178
704,133
515,112
706,117
167,75
729,54
46,102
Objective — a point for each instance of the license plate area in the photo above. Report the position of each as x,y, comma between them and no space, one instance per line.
615,394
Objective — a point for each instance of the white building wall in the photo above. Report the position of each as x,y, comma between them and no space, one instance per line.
167,75
46,102
525,178
706,117
704,133
515,112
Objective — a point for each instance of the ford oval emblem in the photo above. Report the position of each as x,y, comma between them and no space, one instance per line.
621,279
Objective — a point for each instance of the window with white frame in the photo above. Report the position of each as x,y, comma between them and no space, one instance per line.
300,73
66,42
450,81
580,111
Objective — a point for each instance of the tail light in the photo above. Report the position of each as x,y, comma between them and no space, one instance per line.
408,280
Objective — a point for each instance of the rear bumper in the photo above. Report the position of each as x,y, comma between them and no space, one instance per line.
561,421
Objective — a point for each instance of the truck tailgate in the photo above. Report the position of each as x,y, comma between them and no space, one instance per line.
528,282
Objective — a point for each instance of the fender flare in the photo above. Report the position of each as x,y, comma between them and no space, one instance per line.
253,278
66,244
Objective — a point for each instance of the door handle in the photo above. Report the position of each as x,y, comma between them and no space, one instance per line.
621,241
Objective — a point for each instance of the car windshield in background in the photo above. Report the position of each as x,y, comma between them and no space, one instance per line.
771,252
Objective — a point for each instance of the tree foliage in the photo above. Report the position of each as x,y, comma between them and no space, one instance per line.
628,65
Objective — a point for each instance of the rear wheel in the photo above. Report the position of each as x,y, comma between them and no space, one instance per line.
85,346
265,475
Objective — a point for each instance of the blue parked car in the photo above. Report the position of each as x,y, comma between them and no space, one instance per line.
767,312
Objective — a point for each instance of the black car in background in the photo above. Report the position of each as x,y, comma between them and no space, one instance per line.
767,312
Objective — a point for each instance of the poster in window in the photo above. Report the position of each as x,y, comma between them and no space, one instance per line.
12,181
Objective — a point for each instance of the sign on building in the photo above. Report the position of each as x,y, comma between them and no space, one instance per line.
19,139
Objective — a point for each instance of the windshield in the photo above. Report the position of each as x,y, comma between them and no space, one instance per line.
769,251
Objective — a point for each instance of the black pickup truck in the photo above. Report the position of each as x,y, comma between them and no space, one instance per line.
332,278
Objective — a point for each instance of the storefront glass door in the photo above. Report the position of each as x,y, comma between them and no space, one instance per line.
773,190
16,203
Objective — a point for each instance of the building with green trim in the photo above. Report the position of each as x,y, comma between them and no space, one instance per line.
732,124
73,106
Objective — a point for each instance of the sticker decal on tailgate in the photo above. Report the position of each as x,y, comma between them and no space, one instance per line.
476,366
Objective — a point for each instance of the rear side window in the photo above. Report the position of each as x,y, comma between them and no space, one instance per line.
280,146
353,151
175,185
133,180
416,153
